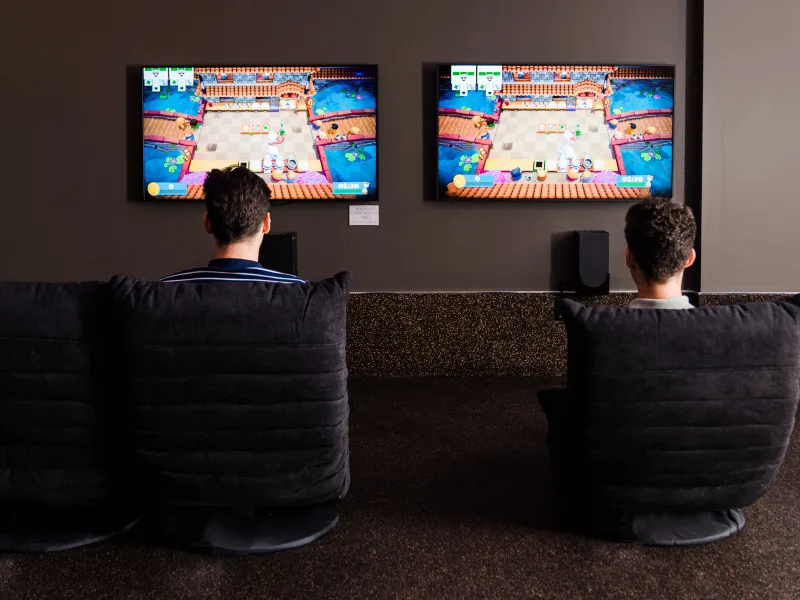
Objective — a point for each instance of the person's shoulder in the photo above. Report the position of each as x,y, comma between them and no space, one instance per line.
187,274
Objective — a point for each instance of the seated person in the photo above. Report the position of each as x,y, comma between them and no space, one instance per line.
660,237
237,215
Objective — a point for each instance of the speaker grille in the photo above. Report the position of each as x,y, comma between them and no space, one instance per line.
592,257
279,251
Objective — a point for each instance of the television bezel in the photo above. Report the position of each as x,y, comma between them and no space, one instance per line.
443,198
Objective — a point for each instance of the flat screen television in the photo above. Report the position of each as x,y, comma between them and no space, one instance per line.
309,131
557,133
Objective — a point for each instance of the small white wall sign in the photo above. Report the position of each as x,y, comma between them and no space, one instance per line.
364,215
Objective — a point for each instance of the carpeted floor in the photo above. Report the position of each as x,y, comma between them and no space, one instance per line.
452,498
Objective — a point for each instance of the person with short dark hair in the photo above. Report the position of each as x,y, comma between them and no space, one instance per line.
237,215
660,234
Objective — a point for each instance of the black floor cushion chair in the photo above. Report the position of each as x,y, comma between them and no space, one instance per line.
672,421
59,448
238,408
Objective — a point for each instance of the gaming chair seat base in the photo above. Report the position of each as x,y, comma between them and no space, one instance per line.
222,531
53,529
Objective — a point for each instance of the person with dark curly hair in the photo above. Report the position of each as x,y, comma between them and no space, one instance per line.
660,234
237,215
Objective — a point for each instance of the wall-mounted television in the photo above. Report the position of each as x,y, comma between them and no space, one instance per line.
555,132
309,131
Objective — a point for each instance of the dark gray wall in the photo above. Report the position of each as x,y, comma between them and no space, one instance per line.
751,207
65,208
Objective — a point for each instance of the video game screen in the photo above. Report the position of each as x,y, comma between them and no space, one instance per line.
535,132
309,132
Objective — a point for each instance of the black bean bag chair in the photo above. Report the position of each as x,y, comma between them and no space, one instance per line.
238,408
672,420
58,442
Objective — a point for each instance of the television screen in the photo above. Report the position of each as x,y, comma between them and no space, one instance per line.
309,132
533,132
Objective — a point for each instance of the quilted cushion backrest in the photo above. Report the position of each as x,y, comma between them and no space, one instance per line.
237,392
682,409
52,396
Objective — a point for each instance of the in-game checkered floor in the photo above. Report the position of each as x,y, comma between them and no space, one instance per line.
519,127
223,129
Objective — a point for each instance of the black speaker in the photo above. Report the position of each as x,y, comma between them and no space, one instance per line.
591,275
279,252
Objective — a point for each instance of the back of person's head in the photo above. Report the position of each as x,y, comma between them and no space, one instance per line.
237,202
660,234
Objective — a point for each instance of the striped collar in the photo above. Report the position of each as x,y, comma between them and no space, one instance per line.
232,269
234,264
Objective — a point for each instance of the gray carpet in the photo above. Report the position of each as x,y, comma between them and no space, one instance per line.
452,498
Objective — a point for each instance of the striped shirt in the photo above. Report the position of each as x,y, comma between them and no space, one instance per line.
232,269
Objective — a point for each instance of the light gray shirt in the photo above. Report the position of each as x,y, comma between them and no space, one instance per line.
681,302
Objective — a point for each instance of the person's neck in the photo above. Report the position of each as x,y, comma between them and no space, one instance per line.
240,251
660,291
